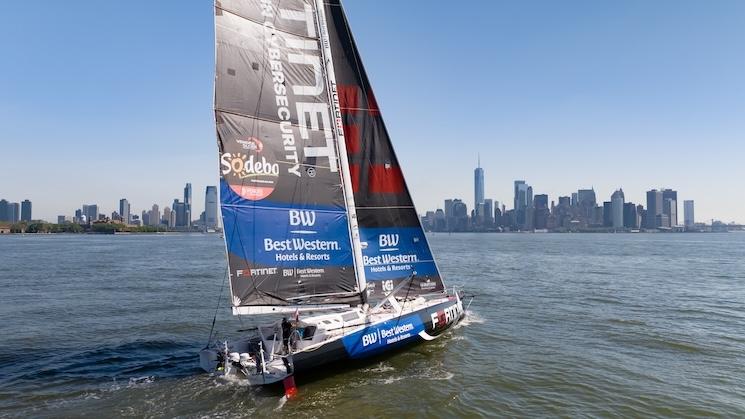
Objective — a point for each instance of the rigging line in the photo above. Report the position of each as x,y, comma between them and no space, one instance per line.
406,298
214,318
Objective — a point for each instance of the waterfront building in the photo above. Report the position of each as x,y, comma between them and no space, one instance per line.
630,216
63,219
4,210
90,212
187,205
662,221
575,199
165,220
654,208
154,216
180,209
488,214
79,217
440,220
671,209
26,210
478,186
587,201
448,207
14,212
210,207
459,220
607,214
521,195
688,217
617,201
523,200
124,211
540,212
597,218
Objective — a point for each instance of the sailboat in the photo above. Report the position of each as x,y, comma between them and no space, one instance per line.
322,237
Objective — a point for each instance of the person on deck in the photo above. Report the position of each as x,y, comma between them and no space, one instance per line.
286,332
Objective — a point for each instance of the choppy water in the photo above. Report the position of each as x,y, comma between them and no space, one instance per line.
575,325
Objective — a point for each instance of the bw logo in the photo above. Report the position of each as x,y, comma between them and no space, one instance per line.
388,240
302,218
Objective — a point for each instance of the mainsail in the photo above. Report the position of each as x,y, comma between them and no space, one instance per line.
305,157
394,247
286,221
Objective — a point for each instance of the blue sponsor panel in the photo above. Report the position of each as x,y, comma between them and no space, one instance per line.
268,235
396,253
277,236
383,336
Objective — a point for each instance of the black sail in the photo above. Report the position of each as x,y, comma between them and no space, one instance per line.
394,247
286,225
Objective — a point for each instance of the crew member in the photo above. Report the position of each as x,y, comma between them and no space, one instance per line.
286,332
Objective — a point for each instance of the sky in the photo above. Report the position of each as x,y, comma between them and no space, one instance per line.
105,100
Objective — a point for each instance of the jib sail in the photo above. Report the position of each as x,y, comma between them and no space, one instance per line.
394,246
286,223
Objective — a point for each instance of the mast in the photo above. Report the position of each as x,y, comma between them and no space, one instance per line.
341,147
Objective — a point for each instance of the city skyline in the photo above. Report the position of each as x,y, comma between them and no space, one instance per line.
580,211
571,95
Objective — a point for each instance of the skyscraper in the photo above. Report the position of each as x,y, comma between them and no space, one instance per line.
541,211
180,209
671,208
670,211
91,212
14,212
26,210
154,216
167,217
478,186
488,211
654,208
210,207
4,210
523,204
187,204
521,195
607,214
630,216
124,211
617,201
586,201
688,217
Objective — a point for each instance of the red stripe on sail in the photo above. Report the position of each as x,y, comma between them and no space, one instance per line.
385,178
354,172
348,100
372,104
352,138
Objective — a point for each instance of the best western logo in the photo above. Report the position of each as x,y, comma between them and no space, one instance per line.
302,218
388,240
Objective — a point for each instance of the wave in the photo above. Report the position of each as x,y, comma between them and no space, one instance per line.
138,360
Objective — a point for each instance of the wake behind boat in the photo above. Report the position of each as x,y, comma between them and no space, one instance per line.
319,224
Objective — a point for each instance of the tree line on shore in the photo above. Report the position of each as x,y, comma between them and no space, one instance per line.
102,228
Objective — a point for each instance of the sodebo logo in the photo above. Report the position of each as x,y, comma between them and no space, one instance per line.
250,172
302,218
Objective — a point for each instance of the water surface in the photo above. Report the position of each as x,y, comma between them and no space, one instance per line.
562,324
